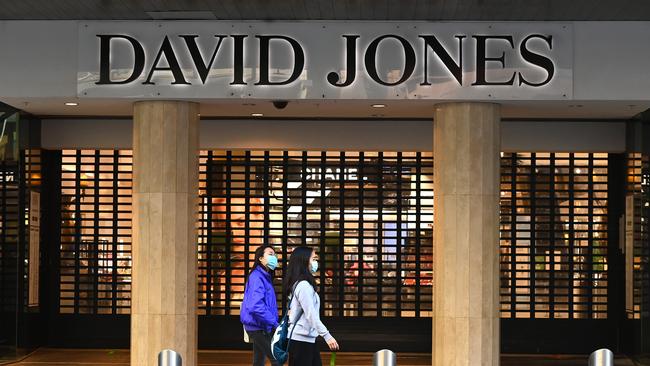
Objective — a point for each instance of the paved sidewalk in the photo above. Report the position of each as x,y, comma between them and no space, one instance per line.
104,357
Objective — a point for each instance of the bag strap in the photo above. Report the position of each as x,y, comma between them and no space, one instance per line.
292,329
297,319
291,295
290,301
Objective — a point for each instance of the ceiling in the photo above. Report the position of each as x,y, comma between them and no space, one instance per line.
407,109
379,10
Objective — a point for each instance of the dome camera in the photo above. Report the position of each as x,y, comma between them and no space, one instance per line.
280,104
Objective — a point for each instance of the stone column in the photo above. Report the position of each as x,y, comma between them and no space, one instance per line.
466,234
165,203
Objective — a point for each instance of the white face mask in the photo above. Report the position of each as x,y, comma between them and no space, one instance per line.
314,266
271,261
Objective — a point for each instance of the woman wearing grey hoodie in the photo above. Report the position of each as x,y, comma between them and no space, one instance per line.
304,311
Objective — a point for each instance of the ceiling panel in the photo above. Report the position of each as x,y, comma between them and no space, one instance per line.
300,9
378,10
326,9
422,9
230,8
312,9
491,10
340,9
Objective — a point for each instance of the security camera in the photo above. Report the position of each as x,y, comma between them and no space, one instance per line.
280,104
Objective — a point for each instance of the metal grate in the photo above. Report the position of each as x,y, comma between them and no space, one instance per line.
554,235
9,234
369,210
361,210
31,180
95,261
637,272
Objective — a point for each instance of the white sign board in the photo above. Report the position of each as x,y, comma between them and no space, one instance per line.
326,60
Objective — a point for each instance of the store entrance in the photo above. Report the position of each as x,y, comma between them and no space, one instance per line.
369,215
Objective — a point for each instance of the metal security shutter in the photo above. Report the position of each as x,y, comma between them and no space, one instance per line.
554,235
361,210
638,205
95,259
9,234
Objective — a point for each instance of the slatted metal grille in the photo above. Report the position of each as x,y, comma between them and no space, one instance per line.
554,235
31,180
95,260
637,271
9,234
17,178
360,210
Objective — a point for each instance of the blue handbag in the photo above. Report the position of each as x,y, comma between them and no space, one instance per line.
281,338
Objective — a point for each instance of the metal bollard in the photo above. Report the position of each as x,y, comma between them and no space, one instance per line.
169,357
384,357
601,357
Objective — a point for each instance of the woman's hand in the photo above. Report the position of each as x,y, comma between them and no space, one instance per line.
332,344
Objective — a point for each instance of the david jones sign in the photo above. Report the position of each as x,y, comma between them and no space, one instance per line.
429,47
436,63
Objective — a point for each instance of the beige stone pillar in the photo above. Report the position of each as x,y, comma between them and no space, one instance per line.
165,188
466,234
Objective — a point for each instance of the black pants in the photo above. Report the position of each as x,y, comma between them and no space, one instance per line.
261,347
304,354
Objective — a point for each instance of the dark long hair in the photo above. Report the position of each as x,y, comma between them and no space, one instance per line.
298,269
259,253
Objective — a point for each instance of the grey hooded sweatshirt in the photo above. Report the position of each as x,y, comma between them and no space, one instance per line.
306,301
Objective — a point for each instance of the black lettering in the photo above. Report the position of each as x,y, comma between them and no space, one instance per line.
481,59
197,58
238,60
351,63
456,69
105,59
537,60
371,64
298,60
174,67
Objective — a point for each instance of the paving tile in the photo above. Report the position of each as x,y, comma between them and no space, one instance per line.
106,357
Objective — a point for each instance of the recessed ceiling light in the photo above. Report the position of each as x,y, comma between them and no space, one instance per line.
379,105
72,104
257,114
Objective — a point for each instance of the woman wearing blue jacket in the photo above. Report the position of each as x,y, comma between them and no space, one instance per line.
259,311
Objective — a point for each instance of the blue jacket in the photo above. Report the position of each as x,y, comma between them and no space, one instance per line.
259,310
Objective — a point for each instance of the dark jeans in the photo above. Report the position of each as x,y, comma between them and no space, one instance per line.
261,347
304,354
